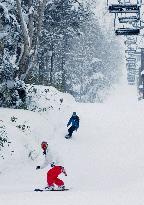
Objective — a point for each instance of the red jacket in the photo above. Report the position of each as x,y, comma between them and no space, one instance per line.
56,170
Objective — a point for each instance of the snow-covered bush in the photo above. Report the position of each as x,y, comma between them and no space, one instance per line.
46,98
4,143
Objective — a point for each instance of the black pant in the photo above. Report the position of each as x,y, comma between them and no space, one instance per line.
71,129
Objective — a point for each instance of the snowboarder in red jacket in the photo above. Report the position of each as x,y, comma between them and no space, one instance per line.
52,177
52,174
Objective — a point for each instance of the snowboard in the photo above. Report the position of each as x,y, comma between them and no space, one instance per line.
41,190
68,137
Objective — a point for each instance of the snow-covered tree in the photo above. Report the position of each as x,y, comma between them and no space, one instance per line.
58,43
91,66
12,93
62,22
20,24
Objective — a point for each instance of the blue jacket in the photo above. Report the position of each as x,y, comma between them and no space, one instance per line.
75,121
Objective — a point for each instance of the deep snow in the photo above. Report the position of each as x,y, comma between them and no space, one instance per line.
104,159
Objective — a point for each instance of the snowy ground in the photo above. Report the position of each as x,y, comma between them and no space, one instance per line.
104,160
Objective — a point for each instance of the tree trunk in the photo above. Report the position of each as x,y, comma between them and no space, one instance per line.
63,75
51,64
30,38
30,23
23,64
1,57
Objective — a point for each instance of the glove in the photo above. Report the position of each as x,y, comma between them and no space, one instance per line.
38,167
67,125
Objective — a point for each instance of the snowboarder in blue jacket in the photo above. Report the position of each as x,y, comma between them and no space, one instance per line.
74,121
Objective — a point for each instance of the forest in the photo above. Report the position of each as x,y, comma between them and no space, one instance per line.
57,43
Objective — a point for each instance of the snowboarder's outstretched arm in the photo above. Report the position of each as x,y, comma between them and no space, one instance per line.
47,160
43,165
69,122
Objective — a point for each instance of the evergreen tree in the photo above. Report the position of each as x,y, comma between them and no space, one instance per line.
62,22
91,67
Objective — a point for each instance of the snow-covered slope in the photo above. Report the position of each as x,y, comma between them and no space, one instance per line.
104,159
25,130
